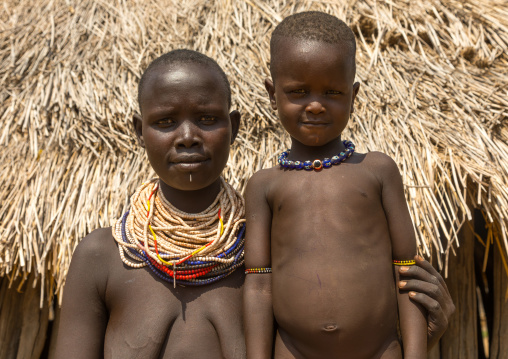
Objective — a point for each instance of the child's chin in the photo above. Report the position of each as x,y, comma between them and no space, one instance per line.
316,141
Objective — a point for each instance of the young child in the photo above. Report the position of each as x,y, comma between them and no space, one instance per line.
326,226
120,297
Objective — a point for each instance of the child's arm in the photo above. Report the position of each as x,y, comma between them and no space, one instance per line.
84,317
430,290
412,316
257,297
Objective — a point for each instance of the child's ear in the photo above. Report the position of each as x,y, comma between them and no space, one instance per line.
234,117
137,123
271,93
356,88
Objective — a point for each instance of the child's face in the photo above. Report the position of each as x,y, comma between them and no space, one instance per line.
186,127
313,90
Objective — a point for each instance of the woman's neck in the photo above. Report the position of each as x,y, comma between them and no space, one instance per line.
191,201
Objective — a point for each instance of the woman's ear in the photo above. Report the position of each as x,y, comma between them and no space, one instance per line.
271,93
137,123
234,117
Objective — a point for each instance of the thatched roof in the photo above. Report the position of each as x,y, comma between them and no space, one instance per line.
434,96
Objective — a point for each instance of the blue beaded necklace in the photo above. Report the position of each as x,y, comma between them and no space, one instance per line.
317,165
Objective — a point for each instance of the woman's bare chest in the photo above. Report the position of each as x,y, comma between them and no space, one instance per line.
149,318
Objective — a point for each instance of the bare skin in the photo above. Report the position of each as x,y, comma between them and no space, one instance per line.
320,306
329,236
428,288
114,311
111,310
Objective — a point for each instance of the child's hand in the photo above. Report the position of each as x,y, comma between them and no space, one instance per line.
429,289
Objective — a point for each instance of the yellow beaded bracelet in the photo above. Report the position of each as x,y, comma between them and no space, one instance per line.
404,263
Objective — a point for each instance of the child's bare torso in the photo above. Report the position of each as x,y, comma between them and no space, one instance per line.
333,286
148,318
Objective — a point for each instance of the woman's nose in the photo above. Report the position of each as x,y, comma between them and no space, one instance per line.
187,135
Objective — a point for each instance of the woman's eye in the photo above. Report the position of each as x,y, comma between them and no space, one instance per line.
165,122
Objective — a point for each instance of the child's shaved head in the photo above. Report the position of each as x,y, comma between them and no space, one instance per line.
312,26
183,57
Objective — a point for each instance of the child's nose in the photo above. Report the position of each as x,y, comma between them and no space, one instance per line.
187,135
315,107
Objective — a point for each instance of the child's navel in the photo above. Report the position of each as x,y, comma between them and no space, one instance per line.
330,327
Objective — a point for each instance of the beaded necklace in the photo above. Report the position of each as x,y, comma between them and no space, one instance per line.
317,165
180,247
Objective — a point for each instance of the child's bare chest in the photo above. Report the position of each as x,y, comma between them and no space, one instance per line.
331,248
335,199
151,319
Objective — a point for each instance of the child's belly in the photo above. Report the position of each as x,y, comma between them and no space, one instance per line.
346,306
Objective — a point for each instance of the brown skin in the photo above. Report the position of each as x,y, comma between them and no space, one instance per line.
329,236
111,310
114,311
428,288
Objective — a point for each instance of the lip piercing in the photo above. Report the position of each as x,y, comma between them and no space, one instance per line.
190,176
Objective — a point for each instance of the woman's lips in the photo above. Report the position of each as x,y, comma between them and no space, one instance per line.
189,163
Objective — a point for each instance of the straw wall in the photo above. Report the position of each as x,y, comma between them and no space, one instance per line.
433,96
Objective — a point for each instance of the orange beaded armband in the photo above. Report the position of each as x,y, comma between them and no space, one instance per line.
258,270
404,263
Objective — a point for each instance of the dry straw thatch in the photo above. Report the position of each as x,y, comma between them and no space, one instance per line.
433,96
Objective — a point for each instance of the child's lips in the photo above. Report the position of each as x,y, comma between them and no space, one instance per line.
314,123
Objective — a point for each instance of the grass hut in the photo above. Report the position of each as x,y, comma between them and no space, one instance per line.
434,96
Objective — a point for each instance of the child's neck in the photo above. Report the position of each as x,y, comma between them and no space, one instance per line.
301,152
191,201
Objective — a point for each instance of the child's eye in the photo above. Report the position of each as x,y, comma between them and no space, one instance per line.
298,91
333,92
208,120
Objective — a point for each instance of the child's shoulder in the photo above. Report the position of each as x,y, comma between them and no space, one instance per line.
266,174
380,164
379,158
261,181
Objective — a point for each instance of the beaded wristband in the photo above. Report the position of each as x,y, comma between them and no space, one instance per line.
404,263
258,270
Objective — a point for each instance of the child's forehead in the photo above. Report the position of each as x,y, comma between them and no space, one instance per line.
293,54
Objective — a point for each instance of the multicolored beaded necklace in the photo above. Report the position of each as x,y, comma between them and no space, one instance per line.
317,165
180,247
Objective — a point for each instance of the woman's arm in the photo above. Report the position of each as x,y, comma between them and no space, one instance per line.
428,288
257,296
84,317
